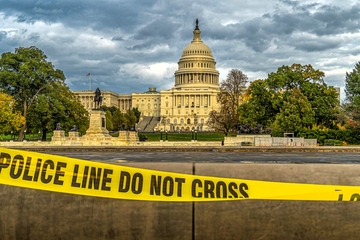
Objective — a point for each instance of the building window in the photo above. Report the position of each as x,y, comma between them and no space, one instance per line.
166,104
168,121
155,106
188,121
181,121
167,112
202,121
175,121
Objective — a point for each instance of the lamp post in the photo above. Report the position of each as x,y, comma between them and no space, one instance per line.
166,135
192,135
195,135
11,135
25,134
161,135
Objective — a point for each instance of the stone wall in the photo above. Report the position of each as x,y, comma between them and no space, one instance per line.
32,214
268,141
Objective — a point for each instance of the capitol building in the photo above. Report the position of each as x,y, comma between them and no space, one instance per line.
185,107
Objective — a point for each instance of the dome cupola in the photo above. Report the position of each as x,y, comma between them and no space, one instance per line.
197,64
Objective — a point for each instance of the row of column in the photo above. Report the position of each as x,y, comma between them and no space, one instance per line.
124,104
197,77
88,102
200,100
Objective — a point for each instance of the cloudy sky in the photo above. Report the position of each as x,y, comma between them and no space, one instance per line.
128,46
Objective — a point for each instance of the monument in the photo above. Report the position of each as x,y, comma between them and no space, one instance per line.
97,127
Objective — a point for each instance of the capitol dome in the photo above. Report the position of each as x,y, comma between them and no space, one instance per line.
197,64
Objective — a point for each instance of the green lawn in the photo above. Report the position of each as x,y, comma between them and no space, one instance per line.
184,136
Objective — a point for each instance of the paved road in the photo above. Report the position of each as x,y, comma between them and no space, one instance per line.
226,157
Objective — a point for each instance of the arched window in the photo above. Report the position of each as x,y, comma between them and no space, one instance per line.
175,121
188,121
181,121
202,121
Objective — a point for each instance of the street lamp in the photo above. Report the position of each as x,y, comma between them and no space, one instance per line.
192,134
25,134
195,135
166,135
161,135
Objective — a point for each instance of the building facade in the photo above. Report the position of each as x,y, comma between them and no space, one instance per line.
184,107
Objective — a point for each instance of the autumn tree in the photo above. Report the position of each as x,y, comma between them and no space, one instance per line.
25,74
10,119
229,98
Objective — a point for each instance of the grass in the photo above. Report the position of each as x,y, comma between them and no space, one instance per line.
29,137
184,137
153,137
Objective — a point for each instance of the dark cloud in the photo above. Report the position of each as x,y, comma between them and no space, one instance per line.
316,44
130,45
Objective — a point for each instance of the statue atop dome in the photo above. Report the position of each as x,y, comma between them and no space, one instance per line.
197,24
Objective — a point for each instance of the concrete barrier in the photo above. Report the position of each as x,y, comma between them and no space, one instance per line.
32,214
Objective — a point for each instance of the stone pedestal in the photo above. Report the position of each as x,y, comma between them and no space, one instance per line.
73,134
58,136
97,126
128,136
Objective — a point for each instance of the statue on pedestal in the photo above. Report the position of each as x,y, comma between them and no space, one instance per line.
97,98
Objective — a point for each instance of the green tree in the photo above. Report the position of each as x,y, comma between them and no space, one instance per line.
137,113
130,119
109,122
118,119
295,114
58,105
229,98
352,91
323,99
10,119
257,106
24,74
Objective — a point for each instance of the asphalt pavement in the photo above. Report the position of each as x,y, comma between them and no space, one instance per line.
218,157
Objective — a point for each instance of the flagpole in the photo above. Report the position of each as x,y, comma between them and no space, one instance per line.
90,83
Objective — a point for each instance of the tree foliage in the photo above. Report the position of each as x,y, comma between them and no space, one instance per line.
295,114
352,91
258,105
25,74
58,105
294,95
229,98
116,120
10,119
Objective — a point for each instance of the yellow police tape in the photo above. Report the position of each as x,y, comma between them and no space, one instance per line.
75,176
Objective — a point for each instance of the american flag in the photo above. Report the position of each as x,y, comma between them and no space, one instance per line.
88,74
